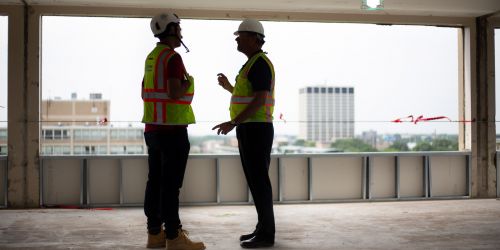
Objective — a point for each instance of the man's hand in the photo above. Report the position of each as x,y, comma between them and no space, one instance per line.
224,82
224,128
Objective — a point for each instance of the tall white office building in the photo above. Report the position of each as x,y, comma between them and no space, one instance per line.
326,113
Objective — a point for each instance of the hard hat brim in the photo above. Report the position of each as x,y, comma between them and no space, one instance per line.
238,32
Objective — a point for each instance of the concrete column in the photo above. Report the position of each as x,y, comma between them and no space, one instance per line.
483,103
23,113
464,87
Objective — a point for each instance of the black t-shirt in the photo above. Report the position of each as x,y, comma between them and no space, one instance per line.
260,75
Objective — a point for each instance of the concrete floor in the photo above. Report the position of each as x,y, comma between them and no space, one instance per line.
450,224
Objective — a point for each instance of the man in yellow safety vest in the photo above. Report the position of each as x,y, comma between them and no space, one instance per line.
251,110
167,92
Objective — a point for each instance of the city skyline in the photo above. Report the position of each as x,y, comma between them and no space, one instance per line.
397,70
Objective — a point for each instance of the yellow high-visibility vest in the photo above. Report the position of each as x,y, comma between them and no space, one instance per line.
243,93
159,108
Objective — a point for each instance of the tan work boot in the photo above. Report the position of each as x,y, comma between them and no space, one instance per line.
157,240
182,242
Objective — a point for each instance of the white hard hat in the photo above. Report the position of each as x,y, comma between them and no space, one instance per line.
251,25
160,22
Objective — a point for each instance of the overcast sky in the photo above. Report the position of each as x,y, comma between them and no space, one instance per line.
396,70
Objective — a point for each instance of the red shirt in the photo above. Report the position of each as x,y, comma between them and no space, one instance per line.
175,69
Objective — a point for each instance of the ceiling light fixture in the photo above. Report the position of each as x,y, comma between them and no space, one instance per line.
372,4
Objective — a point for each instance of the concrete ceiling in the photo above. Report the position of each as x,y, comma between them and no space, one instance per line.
449,8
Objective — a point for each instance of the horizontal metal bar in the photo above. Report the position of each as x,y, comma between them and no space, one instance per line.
276,202
221,156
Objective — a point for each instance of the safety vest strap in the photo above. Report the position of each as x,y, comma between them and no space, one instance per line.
162,60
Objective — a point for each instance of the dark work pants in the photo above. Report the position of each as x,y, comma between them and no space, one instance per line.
255,140
167,157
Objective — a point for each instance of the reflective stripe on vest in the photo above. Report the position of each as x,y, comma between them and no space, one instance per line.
163,97
243,93
159,108
247,100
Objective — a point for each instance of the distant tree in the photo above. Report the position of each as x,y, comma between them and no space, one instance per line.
423,146
300,142
352,145
444,145
439,144
398,146
304,143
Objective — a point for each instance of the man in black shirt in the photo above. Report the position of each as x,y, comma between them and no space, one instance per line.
252,105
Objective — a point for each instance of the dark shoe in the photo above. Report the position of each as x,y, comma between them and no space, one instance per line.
258,241
247,236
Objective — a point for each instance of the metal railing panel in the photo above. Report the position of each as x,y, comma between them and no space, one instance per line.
3,181
448,176
337,178
498,173
427,185
365,177
274,177
468,159
61,182
103,181
134,177
398,175
411,177
280,179
233,186
295,179
218,179
199,182
383,177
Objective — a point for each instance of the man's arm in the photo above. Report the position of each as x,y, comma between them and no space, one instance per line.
257,102
177,88
222,79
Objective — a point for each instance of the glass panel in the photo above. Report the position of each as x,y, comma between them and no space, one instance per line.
102,149
57,134
120,149
134,149
49,134
47,150
65,134
78,150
